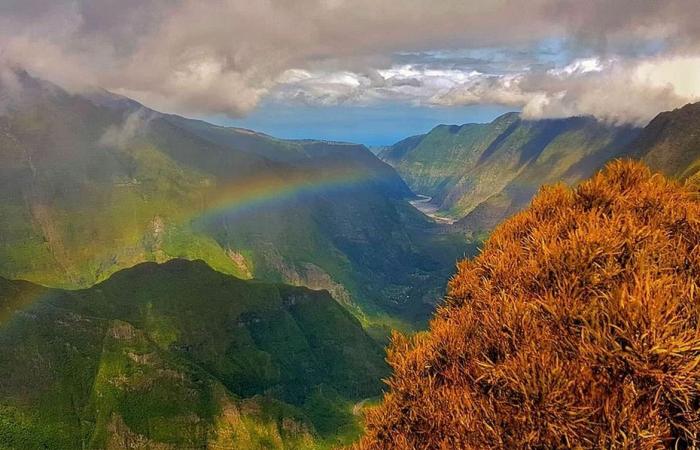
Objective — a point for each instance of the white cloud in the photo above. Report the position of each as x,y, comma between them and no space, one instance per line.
613,90
579,66
224,56
135,125
681,74
616,91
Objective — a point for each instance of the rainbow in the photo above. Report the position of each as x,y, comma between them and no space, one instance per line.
27,296
253,192
241,196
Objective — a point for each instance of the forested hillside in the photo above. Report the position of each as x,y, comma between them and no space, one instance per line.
178,355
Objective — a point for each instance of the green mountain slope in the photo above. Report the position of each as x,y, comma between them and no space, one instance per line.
483,173
434,163
180,356
91,184
671,142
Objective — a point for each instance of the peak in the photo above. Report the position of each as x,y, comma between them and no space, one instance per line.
172,266
454,129
688,110
694,107
513,115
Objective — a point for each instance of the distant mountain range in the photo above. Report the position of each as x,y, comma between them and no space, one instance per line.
94,183
481,174
180,356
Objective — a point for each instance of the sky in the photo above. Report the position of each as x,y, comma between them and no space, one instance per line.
373,125
369,71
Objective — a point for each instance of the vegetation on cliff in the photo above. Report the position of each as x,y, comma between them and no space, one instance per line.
576,327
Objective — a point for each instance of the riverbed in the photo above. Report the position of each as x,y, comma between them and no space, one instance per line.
424,205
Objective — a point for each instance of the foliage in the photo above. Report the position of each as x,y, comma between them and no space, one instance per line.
179,354
576,327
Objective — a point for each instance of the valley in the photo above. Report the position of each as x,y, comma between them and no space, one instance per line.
166,282
477,175
91,184
169,283
349,225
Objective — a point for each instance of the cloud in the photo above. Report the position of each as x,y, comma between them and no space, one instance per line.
225,56
135,125
619,92
616,91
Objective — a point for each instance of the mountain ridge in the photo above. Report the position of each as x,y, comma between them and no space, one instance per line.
178,354
670,142
482,173
137,185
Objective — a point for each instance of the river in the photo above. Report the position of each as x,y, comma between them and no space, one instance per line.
423,205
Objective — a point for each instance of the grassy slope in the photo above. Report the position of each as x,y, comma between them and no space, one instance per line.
671,143
179,354
433,163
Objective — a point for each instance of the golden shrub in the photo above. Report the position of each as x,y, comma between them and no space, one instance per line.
578,326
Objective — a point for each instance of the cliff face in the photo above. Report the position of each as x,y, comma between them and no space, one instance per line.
576,327
488,172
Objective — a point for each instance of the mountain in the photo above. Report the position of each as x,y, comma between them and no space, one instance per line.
576,327
483,173
91,183
176,355
670,143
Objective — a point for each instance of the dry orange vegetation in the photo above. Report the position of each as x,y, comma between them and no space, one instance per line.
577,327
